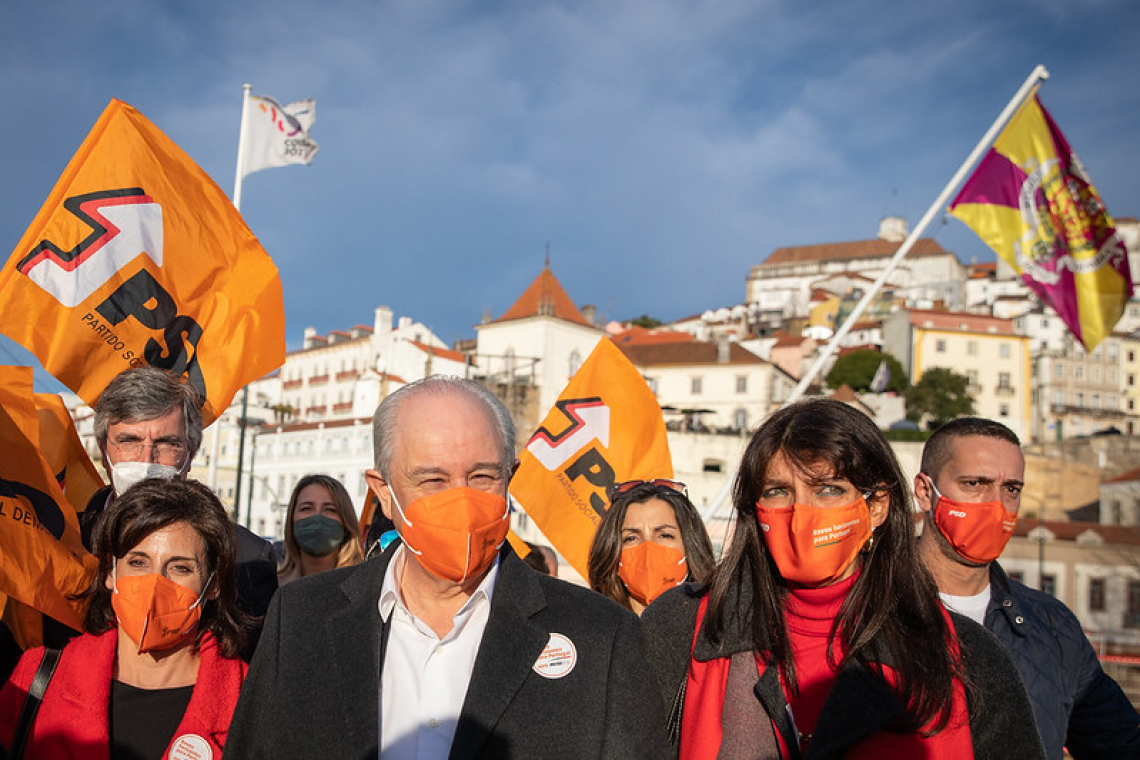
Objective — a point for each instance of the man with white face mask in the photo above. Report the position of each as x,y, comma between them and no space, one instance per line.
148,424
447,645
969,491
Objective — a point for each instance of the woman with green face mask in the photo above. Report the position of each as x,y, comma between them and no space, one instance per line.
321,529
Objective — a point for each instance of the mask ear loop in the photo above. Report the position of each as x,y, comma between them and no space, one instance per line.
405,520
205,588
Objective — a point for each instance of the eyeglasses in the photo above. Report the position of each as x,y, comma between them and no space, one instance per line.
658,484
165,452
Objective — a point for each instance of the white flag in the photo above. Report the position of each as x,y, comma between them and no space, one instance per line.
277,135
882,377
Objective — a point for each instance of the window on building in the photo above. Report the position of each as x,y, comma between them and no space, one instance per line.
739,419
1096,401
712,465
695,384
652,383
1003,350
742,383
1132,616
575,362
1058,370
1049,584
1016,575
1112,352
1003,410
1115,512
972,378
1096,594
1079,372
1058,398
1003,381
1131,380
1094,374
940,346
1080,400
972,347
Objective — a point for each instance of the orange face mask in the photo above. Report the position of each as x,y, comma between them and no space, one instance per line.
978,531
156,613
455,534
649,569
815,545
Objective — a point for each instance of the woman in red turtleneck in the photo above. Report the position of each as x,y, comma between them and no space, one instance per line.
821,635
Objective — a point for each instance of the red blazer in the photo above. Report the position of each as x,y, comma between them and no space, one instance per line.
74,723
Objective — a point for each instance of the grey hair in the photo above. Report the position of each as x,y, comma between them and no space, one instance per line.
143,393
384,421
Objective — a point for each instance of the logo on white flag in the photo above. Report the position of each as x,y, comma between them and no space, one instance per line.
277,135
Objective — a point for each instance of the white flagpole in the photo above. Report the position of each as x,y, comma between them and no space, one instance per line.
239,172
1039,75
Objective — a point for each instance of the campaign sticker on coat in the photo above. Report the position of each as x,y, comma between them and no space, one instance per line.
190,747
558,658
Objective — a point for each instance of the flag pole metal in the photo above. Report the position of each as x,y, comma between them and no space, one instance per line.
1040,74
239,174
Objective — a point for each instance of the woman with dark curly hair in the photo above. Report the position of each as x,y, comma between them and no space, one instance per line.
821,634
650,539
156,673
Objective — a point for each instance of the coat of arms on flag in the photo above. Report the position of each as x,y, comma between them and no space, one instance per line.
1031,200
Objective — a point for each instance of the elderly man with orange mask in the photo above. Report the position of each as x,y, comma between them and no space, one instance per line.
970,492
447,645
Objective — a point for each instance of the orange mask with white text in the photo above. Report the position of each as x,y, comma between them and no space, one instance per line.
978,530
815,545
455,534
155,612
649,569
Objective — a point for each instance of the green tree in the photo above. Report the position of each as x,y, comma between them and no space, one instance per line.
858,368
940,396
646,321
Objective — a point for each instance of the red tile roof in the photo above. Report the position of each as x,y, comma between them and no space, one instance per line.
690,352
444,353
1126,477
857,249
1069,531
637,335
941,319
545,297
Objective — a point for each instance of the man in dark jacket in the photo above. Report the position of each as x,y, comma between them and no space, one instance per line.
446,646
148,423
970,492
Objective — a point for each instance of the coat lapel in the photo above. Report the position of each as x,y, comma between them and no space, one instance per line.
511,645
353,635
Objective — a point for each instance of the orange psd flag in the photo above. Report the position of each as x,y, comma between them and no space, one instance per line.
64,452
605,428
38,529
138,257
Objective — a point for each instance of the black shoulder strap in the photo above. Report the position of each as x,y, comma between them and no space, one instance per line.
32,701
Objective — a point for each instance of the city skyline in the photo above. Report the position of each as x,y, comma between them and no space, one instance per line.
660,149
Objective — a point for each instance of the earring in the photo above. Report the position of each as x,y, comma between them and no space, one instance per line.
869,545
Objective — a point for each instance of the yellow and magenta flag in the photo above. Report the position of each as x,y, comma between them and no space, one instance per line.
1031,200
605,428
138,258
42,560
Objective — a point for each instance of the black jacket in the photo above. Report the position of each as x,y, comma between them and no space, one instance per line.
860,703
1076,703
313,689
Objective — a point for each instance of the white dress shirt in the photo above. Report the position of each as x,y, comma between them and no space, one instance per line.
424,678
973,607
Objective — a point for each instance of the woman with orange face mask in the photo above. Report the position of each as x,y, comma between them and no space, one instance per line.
650,540
157,674
820,633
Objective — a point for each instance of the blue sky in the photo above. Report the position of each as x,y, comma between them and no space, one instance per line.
661,148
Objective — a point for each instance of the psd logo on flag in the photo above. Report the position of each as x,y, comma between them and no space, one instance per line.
605,428
138,257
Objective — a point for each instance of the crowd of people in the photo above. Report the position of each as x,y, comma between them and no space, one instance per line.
828,628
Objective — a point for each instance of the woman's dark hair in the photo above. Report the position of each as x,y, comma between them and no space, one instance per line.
154,504
605,550
892,614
